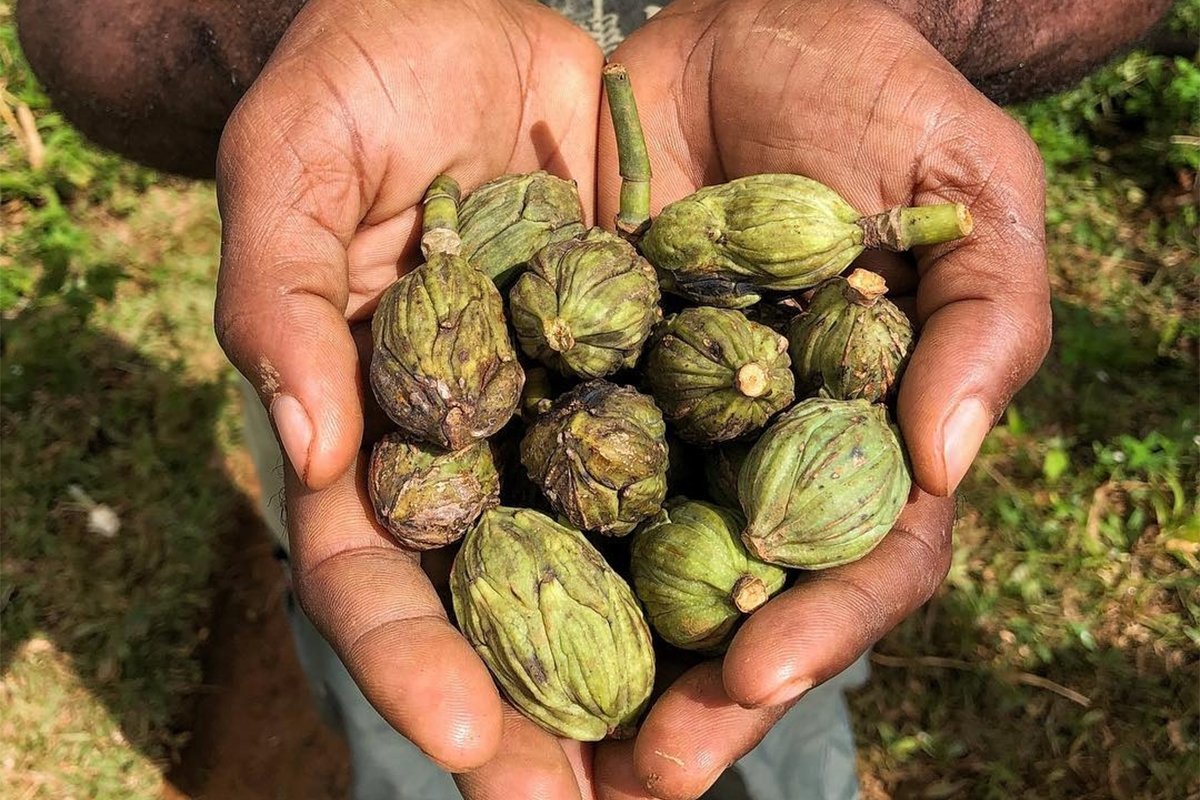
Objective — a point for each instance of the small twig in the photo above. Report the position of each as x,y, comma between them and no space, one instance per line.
10,119
1062,691
1026,678
996,476
34,148
923,661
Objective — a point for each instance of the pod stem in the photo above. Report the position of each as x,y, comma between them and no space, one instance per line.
864,287
439,226
749,593
908,226
632,157
558,335
751,379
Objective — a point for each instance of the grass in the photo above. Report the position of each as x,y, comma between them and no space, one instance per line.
1058,661
113,392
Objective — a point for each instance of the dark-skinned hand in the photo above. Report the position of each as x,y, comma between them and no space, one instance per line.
322,168
848,93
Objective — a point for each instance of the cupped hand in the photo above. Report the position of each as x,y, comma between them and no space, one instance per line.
849,93
321,171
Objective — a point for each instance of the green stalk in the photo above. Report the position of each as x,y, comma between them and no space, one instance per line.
439,227
904,227
633,160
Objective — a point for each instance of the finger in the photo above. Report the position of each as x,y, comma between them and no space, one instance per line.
820,626
690,737
581,757
373,603
897,270
614,772
531,764
983,304
282,290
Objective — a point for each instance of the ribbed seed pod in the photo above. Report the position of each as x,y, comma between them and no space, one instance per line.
851,343
694,576
585,306
505,221
823,485
723,245
558,628
444,368
429,498
718,376
600,457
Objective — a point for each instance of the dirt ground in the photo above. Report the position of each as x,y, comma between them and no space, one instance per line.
256,733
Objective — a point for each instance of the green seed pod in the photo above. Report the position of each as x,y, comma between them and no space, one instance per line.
718,376
725,244
444,368
695,577
585,306
428,498
505,221
600,457
721,468
558,628
852,343
823,485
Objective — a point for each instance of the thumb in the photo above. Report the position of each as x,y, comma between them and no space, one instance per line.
984,308
283,284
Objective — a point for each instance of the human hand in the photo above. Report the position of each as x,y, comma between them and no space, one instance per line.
850,94
321,173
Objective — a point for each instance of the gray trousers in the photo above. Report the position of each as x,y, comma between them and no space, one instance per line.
808,755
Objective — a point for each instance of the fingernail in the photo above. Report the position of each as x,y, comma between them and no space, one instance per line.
792,690
295,431
961,437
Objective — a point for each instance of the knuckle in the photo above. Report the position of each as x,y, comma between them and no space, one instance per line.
929,560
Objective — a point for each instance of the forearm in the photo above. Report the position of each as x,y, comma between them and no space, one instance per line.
1017,49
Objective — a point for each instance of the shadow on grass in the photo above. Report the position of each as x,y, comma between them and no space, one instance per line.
81,408
1104,378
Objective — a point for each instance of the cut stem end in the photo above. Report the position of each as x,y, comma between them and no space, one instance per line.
748,594
558,335
865,287
751,379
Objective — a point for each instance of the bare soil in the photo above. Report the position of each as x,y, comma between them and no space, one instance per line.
256,733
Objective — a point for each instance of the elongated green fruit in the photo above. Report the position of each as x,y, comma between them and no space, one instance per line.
718,376
427,497
443,367
724,245
585,306
823,485
507,220
562,633
694,576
